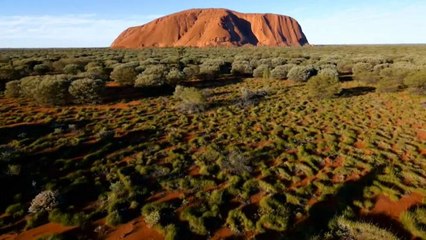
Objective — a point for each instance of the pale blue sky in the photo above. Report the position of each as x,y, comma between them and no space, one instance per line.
95,23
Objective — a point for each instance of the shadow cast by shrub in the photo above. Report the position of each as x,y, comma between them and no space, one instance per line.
323,212
356,91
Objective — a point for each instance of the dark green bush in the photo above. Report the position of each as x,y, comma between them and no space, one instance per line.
41,69
344,66
67,219
364,72
392,80
53,90
281,72
124,75
324,85
113,218
97,73
13,89
175,76
191,72
241,68
154,75
7,72
301,73
260,71
87,90
16,210
191,99
29,86
416,82
275,214
72,69
238,222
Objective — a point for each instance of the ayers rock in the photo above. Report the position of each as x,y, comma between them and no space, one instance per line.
214,27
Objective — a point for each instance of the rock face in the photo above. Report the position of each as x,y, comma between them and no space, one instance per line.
214,27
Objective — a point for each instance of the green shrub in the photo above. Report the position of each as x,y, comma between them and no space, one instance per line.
72,69
364,72
197,216
67,219
416,82
13,89
191,72
345,66
209,72
8,154
415,221
124,75
97,73
301,73
87,90
113,218
281,72
171,232
36,220
174,77
278,61
238,222
392,80
29,86
41,69
260,71
16,210
345,229
324,85
251,97
154,75
8,73
191,99
241,68
53,90
275,214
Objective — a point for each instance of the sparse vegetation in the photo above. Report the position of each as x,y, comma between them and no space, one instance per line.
226,154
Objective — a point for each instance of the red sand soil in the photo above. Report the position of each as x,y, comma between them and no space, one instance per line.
360,145
46,229
165,196
384,205
421,134
222,233
214,27
135,230
194,171
257,197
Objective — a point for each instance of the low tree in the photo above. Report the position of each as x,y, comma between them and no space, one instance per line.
53,90
241,68
191,99
301,73
324,85
124,75
416,82
87,90
281,72
154,75
13,89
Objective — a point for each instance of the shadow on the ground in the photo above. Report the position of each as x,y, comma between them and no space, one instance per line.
356,91
322,213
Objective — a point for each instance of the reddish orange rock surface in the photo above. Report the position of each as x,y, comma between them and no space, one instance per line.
214,27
